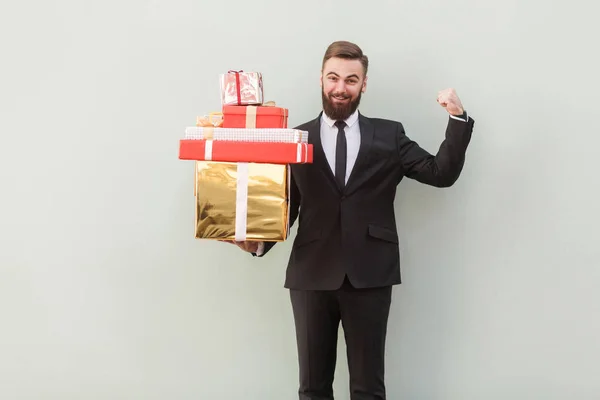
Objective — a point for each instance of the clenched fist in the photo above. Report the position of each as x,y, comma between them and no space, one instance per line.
450,101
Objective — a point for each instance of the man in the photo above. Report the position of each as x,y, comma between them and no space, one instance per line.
345,256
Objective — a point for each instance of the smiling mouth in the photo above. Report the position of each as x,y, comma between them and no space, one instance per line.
340,98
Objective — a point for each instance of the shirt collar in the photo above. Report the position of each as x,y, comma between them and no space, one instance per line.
351,120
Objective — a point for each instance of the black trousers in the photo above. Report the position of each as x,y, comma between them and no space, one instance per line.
364,316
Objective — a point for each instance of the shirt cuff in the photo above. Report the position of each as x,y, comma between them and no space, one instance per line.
464,117
261,249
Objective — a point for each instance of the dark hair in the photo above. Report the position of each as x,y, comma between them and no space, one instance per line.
347,50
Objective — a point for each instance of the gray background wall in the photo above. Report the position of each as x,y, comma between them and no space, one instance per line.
104,293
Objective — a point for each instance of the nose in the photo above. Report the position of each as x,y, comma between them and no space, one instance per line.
340,86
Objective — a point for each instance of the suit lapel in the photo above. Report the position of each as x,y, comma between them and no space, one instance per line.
319,158
367,132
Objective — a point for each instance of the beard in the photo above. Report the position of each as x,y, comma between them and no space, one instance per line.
339,112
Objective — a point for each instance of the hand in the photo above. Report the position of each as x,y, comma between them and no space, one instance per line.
250,247
450,101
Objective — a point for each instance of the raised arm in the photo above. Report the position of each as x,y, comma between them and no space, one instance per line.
443,169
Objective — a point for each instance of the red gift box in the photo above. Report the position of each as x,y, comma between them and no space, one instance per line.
254,117
256,152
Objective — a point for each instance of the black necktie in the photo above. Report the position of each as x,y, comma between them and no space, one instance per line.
340,155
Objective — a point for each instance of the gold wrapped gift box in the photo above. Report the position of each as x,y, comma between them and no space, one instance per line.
242,201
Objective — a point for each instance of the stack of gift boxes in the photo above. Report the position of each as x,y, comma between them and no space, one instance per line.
241,157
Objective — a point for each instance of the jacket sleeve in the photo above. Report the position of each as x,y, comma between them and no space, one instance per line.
443,169
294,211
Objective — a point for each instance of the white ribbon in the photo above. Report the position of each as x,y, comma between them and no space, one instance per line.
208,146
301,149
241,203
251,117
299,152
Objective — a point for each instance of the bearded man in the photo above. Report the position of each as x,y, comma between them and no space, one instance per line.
345,257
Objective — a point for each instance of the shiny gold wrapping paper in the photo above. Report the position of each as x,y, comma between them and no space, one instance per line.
216,201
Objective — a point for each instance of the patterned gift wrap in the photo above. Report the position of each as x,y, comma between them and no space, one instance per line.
247,135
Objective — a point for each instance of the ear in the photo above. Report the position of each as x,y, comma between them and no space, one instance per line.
321,80
364,85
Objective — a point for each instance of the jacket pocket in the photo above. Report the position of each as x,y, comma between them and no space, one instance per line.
382,233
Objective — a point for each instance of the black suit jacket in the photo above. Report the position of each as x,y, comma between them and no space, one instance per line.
353,232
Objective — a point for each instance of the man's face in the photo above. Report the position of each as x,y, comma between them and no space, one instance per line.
342,82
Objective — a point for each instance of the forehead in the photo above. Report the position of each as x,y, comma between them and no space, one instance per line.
343,67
